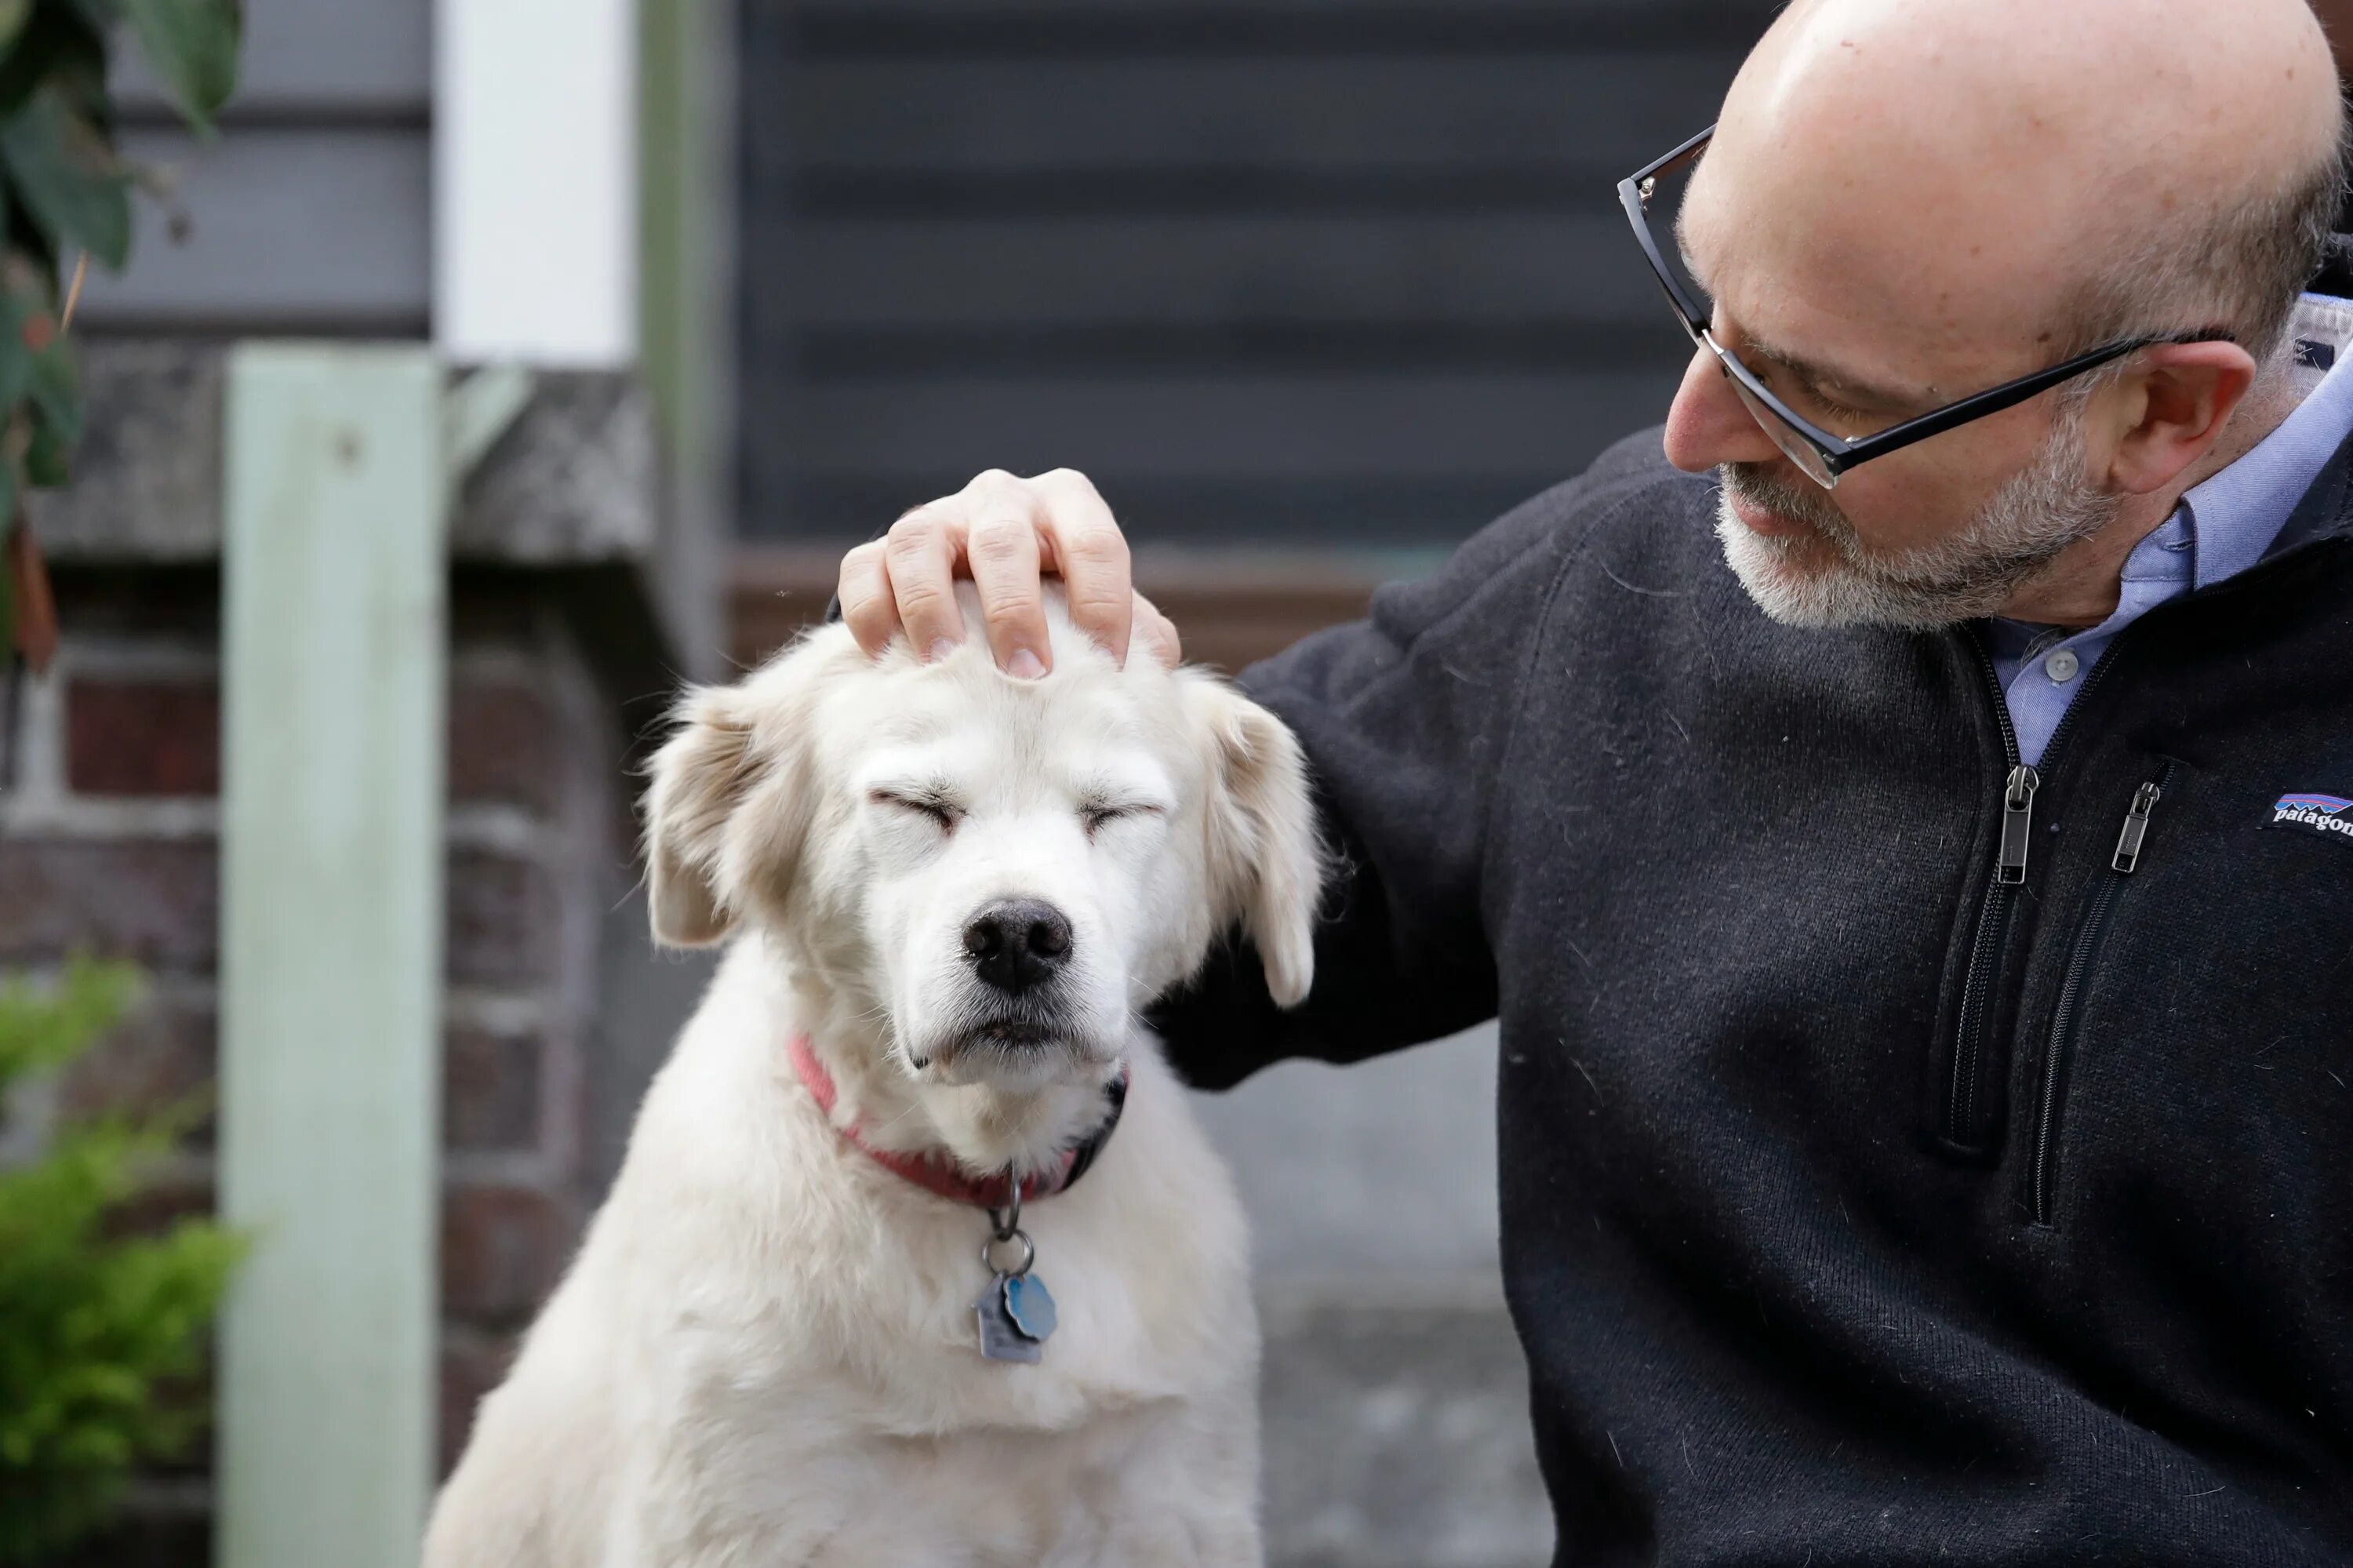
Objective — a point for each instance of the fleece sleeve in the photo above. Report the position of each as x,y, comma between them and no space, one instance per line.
1404,718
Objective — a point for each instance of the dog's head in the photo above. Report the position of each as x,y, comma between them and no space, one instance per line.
1002,871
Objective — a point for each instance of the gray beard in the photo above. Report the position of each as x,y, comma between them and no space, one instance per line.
2025,525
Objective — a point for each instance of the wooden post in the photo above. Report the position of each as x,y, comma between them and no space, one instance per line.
334,581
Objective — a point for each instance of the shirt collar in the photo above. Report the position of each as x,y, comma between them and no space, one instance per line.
2232,518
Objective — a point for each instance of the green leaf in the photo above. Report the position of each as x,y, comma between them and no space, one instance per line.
57,397
59,45
25,306
7,587
13,15
40,383
48,457
68,176
191,45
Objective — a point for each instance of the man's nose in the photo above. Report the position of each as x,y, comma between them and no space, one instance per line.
1018,943
1708,426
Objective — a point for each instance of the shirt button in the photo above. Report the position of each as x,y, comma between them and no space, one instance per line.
2061,666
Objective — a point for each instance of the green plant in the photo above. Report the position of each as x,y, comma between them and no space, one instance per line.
65,191
102,1335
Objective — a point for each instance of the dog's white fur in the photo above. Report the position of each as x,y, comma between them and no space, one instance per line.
766,1353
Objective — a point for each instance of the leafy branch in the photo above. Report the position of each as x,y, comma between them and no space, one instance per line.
64,190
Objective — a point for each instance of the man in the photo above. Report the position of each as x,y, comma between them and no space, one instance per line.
1926,1005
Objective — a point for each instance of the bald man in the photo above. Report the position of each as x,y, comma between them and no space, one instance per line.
1901,812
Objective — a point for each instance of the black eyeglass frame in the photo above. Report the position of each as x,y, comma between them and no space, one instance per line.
1836,453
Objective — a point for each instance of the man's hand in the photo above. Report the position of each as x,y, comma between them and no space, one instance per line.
1006,534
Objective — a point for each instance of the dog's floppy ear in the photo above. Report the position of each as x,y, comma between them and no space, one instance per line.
700,777
730,801
1265,866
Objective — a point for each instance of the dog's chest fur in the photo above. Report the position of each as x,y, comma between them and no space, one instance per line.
800,1369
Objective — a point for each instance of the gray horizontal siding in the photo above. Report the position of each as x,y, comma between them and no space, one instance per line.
324,58
311,212
1254,28
1293,271
1361,267
1385,114
1386,459
1287,428
286,229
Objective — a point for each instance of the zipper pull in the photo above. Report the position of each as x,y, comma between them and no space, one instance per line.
2017,822
2135,828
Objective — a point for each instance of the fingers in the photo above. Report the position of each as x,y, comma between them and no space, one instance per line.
1156,634
1005,534
1004,549
1093,557
919,556
866,607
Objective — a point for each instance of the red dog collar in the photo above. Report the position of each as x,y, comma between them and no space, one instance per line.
938,1173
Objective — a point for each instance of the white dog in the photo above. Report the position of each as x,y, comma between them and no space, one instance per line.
951,892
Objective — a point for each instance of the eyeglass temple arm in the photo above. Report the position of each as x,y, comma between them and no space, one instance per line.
2011,394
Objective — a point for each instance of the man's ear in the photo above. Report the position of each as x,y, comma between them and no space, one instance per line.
700,776
1265,865
2178,402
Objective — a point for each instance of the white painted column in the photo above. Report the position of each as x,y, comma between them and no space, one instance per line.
535,181
335,658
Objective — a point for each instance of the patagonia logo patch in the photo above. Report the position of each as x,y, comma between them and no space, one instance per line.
2328,814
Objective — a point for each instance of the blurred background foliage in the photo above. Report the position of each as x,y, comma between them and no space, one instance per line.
65,193
103,1333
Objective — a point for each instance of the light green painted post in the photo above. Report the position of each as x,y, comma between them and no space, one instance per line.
681,155
334,589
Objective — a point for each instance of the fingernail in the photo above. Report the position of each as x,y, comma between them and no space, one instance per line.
941,648
1025,665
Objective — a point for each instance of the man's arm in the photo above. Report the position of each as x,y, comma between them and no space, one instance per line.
1405,718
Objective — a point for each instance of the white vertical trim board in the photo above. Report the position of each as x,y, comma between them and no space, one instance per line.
535,180
335,664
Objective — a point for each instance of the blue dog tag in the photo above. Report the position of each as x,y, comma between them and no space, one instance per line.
1029,1305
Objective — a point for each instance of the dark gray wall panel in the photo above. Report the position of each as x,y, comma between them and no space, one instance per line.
1453,268
286,229
1599,117
951,28
1289,272
1243,427
1385,460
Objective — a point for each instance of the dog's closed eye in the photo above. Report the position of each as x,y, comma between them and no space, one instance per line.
1098,814
930,803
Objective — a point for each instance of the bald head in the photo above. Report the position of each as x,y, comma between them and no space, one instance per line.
2004,177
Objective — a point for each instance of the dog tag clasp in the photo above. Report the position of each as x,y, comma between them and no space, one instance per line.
1016,1312
1003,1334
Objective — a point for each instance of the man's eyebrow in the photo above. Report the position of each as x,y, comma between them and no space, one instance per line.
1816,377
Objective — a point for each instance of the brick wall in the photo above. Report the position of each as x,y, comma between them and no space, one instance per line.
107,842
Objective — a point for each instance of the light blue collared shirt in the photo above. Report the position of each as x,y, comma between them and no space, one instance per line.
2221,527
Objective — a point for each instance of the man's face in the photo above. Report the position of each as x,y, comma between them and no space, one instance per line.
1859,324
1805,564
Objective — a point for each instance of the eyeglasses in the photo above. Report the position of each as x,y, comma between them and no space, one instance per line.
1822,457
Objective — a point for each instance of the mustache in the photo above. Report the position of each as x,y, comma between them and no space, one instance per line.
1800,501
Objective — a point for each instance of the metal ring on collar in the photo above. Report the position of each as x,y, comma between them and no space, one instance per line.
989,1252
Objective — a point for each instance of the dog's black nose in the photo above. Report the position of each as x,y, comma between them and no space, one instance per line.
1017,943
